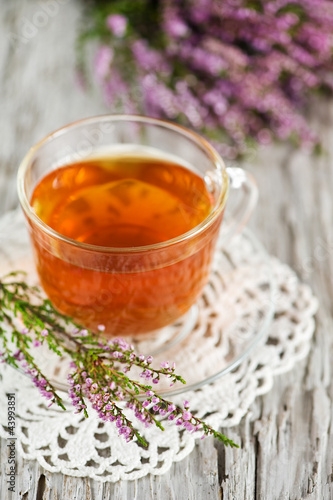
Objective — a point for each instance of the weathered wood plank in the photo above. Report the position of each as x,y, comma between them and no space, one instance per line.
297,413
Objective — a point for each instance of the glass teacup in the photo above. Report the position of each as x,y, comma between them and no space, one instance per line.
134,288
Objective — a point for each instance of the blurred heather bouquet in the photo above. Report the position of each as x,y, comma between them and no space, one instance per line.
236,70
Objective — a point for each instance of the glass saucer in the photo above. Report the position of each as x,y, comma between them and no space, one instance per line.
229,320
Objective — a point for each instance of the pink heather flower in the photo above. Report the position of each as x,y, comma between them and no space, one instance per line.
36,343
44,333
187,415
188,426
84,333
117,24
101,328
175,27
171,407
102,65
165,364
25,331
243,70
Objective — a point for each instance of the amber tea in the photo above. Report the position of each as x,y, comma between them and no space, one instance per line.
129,203
124,212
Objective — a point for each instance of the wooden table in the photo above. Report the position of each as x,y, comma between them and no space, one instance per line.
287,436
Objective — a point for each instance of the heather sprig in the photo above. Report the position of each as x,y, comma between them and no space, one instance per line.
99,368
239,71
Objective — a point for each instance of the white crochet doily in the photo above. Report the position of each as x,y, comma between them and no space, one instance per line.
240,309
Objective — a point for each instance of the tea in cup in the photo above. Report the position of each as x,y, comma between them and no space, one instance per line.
124,213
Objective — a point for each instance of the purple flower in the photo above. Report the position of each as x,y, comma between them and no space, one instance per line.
238,73
102,66
88,382
175,27
44,332
117,24
120,395
188,426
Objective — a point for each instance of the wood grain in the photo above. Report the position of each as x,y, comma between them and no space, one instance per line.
287,436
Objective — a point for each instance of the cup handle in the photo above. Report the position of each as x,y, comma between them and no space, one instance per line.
243,197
